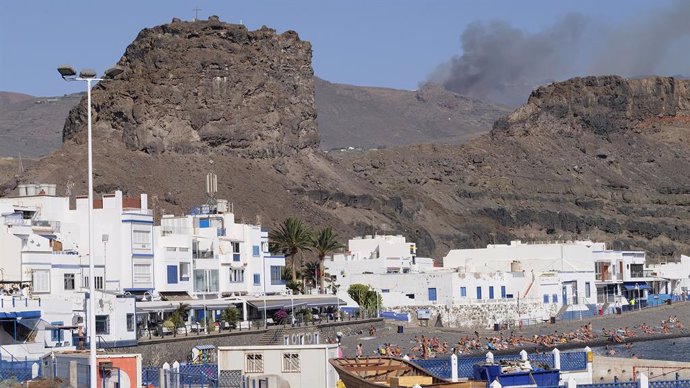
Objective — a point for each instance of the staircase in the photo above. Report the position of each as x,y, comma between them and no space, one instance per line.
563,309
273,336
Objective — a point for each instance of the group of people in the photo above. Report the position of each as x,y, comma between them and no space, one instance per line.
429,347
15,290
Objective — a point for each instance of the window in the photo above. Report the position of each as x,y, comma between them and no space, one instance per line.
99,282
205,280
503,292
236,276
172,274
255,363
184,249
277,275
256,250
130,322
554,298
588,290
491,292
432,294
257,279
185,270
411,296
56,334
479,292
41,280
142,274
463,292
141,238
69,281
636,270
385,290
546,298
291,362
102,324
170,249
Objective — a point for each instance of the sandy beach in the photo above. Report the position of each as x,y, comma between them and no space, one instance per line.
633,320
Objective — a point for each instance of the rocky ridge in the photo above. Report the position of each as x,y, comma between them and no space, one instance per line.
209,87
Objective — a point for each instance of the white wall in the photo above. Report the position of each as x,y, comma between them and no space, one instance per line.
314,371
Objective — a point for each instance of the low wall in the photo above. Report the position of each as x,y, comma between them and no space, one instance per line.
483,315
606,368
171,349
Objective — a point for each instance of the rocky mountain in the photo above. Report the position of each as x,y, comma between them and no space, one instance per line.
32,126
366,117
208,87
599,157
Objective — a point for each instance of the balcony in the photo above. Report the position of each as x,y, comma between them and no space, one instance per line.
207,254
607,277
17,222
53,226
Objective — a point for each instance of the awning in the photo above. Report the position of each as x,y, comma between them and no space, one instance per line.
271,303
636,286
175,295
21,314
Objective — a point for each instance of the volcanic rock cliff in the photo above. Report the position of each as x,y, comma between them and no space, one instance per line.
604,158
208,86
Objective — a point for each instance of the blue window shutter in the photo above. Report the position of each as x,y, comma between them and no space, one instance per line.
257,278
463,292
491,292
432,294
172,274
479,292
256,250
546,298
503,292
555,298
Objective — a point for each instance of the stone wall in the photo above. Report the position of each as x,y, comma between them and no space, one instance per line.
485,314
171,349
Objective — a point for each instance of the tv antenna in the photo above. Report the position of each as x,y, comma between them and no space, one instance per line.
196,13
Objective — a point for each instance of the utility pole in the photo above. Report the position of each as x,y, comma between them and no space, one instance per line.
196,13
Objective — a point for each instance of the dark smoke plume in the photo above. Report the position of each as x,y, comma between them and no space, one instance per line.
504,64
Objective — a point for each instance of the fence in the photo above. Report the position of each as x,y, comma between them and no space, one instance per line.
19,370
181,375
567,361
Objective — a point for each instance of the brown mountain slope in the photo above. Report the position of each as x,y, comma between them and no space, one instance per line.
598,157
30,125
366,117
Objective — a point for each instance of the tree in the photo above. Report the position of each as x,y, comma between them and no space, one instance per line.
367,299
177,317
231,315
324,242
290,238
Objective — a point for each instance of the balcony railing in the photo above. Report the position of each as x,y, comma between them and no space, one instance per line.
132,210
52,225
17,222
203,255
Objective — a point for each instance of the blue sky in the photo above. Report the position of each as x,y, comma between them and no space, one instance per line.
377,43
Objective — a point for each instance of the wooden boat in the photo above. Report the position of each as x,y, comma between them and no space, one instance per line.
376,372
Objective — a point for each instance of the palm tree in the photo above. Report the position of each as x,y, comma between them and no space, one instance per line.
325,242
290,238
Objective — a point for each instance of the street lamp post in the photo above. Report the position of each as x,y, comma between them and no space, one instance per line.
89,76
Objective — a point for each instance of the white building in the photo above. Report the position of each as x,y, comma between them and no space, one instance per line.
676,276
283,365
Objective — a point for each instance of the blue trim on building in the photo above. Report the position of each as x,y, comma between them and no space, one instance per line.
146,255
138,221
138,289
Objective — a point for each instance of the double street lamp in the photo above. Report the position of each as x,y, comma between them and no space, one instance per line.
89,76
